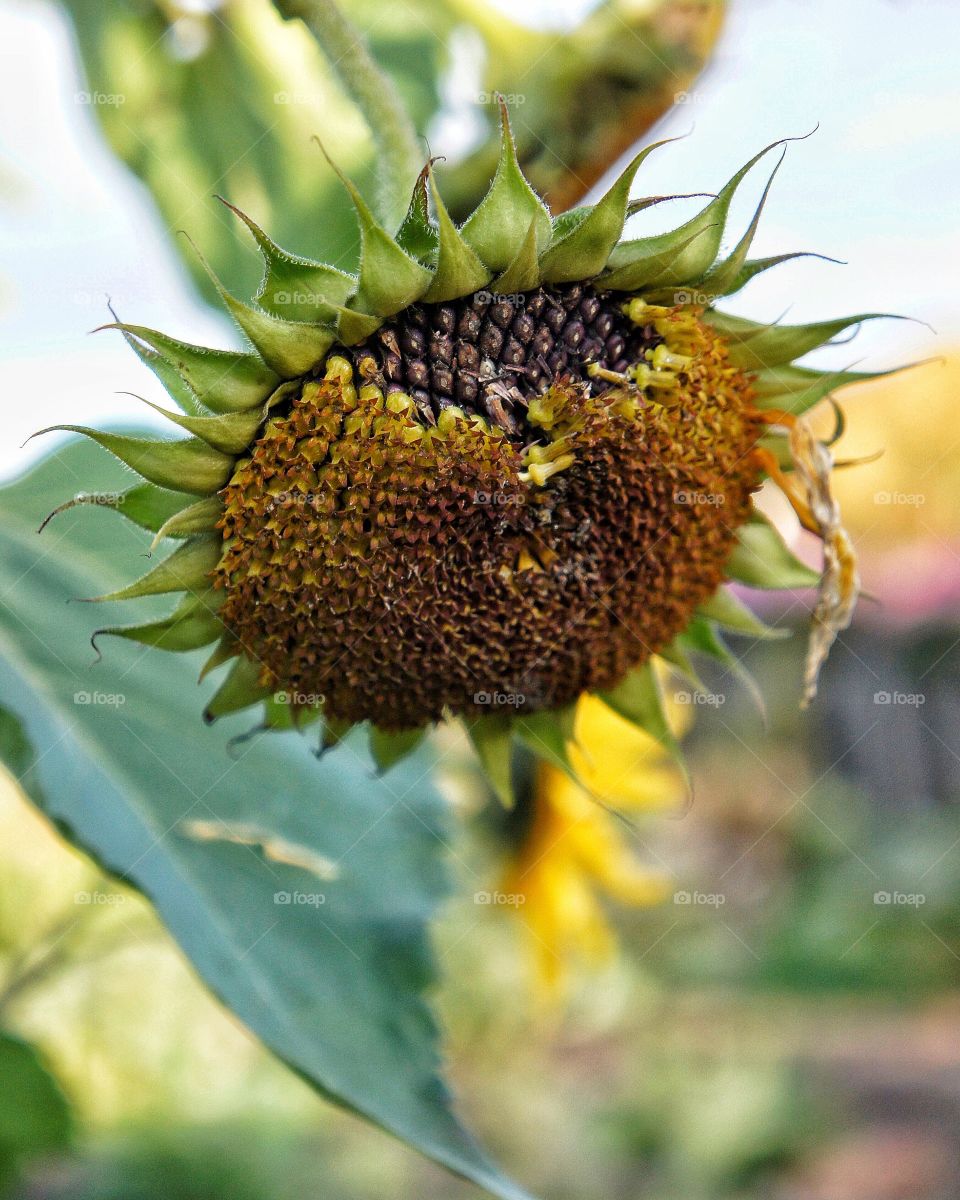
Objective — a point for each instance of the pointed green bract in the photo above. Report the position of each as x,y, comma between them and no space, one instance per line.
229,433
390,279
797,389
201,517
492,738
721,278
638,699
187,569
675,656
645,267
187,466
698,253
389,748
703,637
724,608
174,381
224,380
547,733
293,287
239,690
145,505
498,227
754,347
193,624
583,251
353,327
290,348
523,273
756,266
762,559
459,270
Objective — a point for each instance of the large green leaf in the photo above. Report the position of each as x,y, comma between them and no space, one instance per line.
219,838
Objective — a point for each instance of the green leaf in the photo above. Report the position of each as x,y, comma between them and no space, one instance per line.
336,989
762,560
35,1117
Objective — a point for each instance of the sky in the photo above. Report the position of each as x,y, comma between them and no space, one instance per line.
876,186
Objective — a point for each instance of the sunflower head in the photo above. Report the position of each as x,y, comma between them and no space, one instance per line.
500,466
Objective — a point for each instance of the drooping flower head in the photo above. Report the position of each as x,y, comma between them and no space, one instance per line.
502,465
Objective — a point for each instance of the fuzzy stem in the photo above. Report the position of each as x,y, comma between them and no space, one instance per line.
374,93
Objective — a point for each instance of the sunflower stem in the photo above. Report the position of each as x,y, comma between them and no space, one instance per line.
374,93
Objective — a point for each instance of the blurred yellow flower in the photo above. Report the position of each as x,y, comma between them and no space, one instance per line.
576,849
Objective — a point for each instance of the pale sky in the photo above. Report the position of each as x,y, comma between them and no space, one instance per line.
877,186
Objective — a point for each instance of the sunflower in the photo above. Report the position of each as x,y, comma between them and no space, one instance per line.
504,465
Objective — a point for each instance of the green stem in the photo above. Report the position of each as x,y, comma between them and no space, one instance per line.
374,93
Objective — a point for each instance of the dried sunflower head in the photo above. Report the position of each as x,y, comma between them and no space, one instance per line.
503,465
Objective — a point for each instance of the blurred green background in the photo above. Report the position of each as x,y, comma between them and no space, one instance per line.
787,1027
